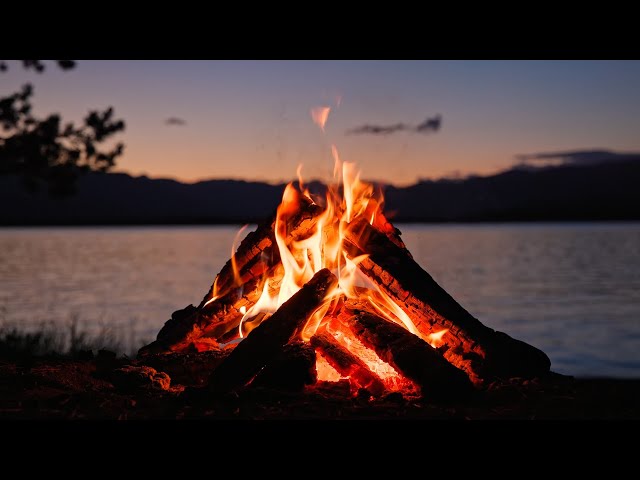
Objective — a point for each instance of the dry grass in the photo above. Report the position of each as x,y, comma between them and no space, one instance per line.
69,340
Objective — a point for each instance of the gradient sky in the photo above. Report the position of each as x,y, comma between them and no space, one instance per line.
250,119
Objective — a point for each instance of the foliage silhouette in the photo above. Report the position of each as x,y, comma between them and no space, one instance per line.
44,151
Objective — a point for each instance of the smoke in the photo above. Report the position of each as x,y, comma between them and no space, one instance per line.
431,124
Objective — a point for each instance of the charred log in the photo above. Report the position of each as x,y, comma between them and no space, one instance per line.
264,343
191,369
479,350
411,356
292,369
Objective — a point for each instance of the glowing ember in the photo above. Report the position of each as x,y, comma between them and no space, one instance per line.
325,371
435,339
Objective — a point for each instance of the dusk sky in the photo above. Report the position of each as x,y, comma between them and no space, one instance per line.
250,119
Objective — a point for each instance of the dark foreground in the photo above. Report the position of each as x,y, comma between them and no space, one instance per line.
87,388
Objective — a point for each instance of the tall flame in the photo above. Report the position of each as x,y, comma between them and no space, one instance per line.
348,198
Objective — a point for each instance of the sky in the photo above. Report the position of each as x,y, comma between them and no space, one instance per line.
251,119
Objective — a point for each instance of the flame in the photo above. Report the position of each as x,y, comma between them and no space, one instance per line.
234,266
320,115
435,339
347,199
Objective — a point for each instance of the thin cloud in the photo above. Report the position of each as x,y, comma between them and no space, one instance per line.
175,121
431,124
378,129
577,157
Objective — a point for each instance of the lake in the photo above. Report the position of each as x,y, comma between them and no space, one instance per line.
572,289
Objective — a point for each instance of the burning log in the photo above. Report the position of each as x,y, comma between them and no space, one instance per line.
346,363
254,257
188,325
411,356
479,350
265,342
256,254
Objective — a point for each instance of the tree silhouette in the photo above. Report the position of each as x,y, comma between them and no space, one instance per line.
44,151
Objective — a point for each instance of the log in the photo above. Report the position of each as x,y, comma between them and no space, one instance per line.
192,369
479,350
264,342
346,363
411,356
292,369
255,256
188,325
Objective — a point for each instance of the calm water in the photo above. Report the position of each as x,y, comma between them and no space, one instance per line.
572,290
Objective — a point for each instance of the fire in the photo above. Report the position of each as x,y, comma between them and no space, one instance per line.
320,116
348,198
435,339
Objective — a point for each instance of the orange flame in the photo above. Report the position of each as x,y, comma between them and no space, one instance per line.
435,339
348,198
234,265
320,115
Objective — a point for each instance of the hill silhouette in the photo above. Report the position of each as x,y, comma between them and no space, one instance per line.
605,191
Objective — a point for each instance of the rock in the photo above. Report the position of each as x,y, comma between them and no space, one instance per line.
130,378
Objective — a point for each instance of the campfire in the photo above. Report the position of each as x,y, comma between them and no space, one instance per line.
326,291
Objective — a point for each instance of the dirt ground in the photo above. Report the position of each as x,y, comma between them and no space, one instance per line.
62,388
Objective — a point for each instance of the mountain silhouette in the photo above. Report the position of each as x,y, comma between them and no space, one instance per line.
605,191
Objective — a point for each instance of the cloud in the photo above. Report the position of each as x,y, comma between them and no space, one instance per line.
377,129
577,157
175,121
429,125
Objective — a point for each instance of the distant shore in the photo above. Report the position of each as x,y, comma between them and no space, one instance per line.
488,221
603,192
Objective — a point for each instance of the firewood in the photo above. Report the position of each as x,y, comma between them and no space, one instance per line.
255,256
411,356
292,369
346,363
479,350
266,340
214,319
193,368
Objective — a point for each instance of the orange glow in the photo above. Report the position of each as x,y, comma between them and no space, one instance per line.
435,339
325,371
